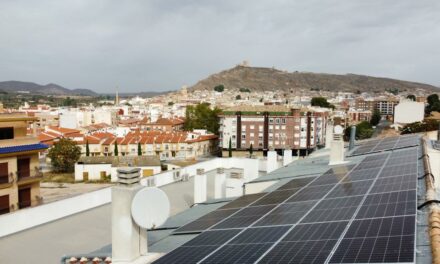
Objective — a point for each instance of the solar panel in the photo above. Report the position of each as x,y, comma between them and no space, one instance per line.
276,197
288,213
347,215
334,210
297,183
385,144
377,240
244,217
206,221
243,201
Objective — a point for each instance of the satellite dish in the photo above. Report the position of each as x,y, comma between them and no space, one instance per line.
338,129
150,207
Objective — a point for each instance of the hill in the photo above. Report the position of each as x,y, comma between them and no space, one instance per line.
48,89
269,79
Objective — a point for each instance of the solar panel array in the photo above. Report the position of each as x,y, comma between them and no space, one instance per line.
389,143
360,214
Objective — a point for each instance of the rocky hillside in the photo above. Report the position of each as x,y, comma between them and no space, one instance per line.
262,79
48,89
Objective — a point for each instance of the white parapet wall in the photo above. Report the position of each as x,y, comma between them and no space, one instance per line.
34,216
31,217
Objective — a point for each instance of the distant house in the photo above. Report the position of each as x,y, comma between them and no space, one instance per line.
98,168
166,124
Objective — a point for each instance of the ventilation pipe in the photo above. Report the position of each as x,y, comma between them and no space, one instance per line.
352,137
128,242
200,195
337,147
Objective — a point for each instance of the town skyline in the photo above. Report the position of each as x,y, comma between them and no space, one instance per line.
163,45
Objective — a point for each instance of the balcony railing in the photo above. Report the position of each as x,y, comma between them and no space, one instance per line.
28,174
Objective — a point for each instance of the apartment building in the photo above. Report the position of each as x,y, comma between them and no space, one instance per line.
356,116
384,105
272,127
19,164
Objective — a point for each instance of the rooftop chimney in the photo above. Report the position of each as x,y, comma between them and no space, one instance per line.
200,182
272,162
328,135
337,147
128,241
287,157
220,184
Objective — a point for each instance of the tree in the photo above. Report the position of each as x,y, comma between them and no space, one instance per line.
202,116
87,149
170,103
230,148
64,154
411,97
417,127
244,90
433,104
433,98
251,150
139,149
69,102
375,117
238,97
116,148
219,88
321,102
364,130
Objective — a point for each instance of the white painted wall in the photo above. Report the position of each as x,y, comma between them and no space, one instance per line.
94,171
408,112
34,216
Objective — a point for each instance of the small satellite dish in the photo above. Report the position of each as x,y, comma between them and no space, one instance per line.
150,207
338,129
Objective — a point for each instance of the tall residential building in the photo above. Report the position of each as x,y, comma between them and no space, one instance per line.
384,105
19,164
272,127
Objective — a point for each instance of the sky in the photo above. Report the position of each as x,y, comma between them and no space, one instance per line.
160,45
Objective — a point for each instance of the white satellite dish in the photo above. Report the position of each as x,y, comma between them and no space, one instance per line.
150,207
338,129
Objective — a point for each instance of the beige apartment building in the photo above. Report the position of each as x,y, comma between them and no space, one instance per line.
19,164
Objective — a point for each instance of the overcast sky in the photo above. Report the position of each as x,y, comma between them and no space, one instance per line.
156,45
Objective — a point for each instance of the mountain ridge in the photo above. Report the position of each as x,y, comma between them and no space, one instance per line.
48,89
265,79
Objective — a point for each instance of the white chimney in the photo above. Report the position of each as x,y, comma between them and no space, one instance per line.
328,135
337,147
220,184
287,157
128,241
272,162
200,195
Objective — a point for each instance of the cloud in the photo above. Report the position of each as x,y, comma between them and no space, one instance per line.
162,44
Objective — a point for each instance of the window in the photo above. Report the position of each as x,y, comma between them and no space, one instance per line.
277,120
252,134
243,136
252,127
6,133
283,120
270,120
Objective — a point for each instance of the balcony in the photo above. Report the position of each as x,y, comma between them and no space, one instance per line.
28,176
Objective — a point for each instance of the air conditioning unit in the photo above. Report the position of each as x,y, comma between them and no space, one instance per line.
185,177
176,176
236,175
151,181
